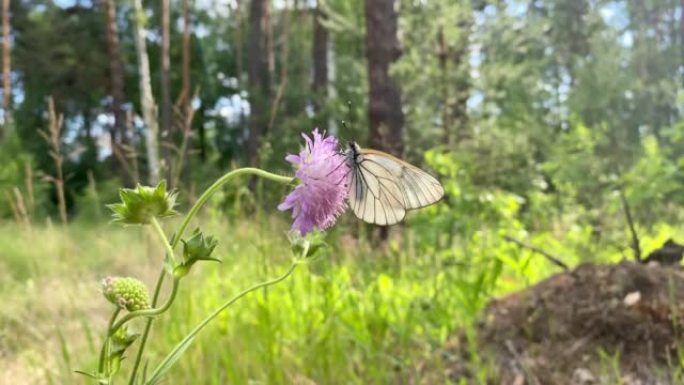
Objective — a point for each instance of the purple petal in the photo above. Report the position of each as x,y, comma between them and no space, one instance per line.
320,198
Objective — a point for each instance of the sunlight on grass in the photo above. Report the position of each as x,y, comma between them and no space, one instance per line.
354,315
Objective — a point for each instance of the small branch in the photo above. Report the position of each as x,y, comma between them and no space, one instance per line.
21,207
28,172
53,138
13,207
630,222
555,260
283,70
117,151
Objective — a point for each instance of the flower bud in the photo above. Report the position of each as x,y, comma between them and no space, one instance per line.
308,246
126,293
138,206
197,248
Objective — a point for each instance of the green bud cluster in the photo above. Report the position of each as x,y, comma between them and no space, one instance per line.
126,293
121,340
139,205
197,248
308,246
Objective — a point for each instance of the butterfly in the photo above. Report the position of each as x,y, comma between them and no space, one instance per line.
382,187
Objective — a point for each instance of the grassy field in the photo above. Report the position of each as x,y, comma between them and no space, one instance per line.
356,315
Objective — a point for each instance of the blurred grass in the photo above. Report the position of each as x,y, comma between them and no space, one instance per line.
357,315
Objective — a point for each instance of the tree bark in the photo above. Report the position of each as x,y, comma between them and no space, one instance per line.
149,110
442,56
6,69
237,16
386,118
320,58
116,73
287,14
165,61
185,70
269,46
456,80
257,78
185,99
681,37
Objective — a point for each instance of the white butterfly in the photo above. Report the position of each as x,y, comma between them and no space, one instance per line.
382,187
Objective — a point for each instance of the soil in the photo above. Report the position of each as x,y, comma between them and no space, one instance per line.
596,324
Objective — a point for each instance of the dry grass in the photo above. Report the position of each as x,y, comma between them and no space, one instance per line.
49,282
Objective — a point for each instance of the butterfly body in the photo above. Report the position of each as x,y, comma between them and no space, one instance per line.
383,187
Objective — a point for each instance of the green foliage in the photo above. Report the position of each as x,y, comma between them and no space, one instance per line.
12,168
355,316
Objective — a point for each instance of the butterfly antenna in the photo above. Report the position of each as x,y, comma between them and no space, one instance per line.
348,124
346,128
344,124
349,113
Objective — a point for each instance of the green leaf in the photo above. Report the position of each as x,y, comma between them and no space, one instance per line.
89,375
169,361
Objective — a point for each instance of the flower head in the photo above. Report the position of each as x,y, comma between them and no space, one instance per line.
320,197
126,293
140,204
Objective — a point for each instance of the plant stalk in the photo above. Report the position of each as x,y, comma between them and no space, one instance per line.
179,234
105,344
217,311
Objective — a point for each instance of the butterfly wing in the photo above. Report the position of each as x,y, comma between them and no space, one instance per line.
375,195
419,189
383,187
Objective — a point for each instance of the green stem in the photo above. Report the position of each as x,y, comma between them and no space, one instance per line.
105,343
148,312
217,185
169,249
179,234
148,326
182,345
155,299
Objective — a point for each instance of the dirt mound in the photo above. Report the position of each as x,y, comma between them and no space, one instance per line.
596,324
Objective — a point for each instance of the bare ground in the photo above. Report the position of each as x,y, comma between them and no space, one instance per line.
596,324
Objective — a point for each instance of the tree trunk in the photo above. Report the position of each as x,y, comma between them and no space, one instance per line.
185,70
269,47
257,78
386,118
165,61
284,61
6,71
149,109
320,58
237,16
457,76
184,113
681,37
116,73
442,59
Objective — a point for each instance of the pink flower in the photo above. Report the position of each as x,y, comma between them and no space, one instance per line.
321,195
